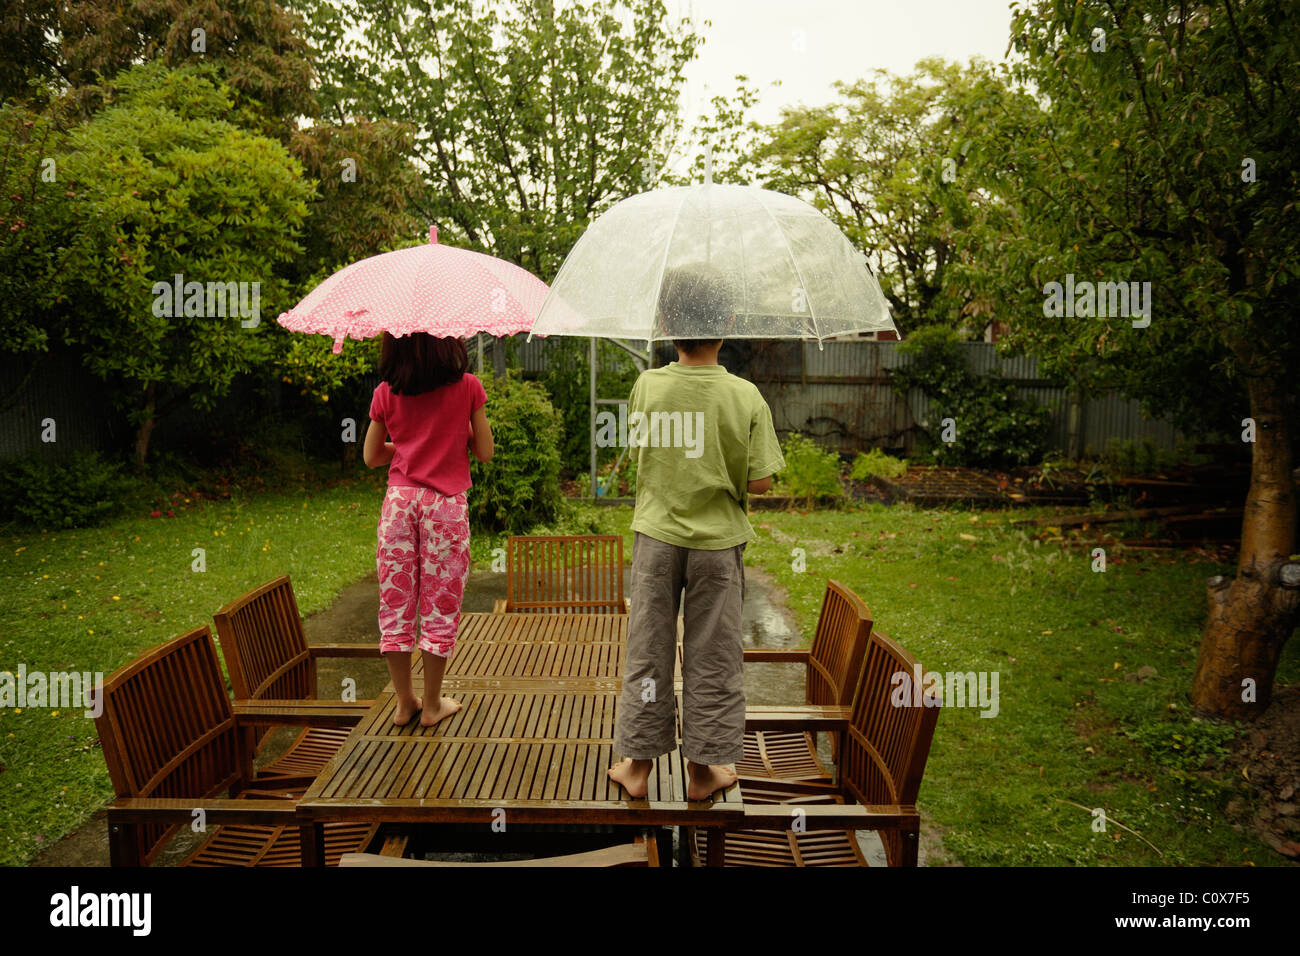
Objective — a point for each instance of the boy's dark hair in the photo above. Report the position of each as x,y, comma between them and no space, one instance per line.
698,299
421,362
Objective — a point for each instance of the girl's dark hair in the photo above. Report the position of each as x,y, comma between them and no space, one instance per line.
420,362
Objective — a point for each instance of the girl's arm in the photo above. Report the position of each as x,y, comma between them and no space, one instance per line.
481,435
376,452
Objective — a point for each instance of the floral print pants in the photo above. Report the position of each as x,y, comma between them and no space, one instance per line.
423,561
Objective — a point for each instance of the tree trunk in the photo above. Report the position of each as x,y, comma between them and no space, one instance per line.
1252,615
145,429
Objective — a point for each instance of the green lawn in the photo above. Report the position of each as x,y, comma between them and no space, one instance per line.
1072,733
90,600
1071,729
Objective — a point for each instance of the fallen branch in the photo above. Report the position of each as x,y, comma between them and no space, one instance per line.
1110,819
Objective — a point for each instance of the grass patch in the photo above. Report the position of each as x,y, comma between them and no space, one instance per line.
92,599
1076,725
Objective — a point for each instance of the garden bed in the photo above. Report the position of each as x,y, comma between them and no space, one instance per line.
940,485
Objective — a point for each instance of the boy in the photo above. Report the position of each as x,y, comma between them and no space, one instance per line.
705,438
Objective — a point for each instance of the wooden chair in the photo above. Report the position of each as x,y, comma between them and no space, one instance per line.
564,574
882,758
267,654
642,851
833,665
174,743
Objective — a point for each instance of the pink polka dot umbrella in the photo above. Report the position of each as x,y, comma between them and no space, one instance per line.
442,290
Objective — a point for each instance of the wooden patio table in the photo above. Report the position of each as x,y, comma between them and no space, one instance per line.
532,741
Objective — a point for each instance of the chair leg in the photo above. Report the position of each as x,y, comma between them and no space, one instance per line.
124,845
684,837
911,840
663,844
394,844
311,837
717,846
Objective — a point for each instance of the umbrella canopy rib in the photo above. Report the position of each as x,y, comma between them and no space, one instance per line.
803,283
663,263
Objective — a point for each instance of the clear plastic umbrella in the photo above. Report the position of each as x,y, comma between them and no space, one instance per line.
781,267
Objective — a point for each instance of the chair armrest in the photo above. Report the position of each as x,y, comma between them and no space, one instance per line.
309,713
343,650
777,655
811,717
829,816
216,810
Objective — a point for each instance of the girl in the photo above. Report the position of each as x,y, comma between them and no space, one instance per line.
424,395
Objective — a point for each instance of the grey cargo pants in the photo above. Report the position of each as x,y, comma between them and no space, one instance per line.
713,683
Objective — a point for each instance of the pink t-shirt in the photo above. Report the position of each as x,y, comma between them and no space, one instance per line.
430,434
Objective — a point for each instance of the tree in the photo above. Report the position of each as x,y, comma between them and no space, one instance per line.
882,164
532,117
256,46
365,181
36,212
1155,143
165,188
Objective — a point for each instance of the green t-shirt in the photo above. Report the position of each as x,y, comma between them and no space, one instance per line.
700,435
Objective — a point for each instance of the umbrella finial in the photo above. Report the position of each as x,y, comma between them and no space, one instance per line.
433,235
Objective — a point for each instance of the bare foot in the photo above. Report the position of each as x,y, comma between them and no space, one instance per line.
446,707
706,781
633,776
406,709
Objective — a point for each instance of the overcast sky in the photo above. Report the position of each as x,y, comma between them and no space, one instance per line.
809,44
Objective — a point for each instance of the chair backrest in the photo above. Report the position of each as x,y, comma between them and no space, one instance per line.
167,730
558,574
265,646
839,645
883,753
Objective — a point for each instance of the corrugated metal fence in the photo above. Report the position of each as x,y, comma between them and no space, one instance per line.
839,394
44,396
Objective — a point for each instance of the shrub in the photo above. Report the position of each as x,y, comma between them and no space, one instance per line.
566,382
520,486
995,427
1192,752
809,471
876,462
77,492
1142,458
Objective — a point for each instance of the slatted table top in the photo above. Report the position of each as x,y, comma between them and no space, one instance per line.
533,739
